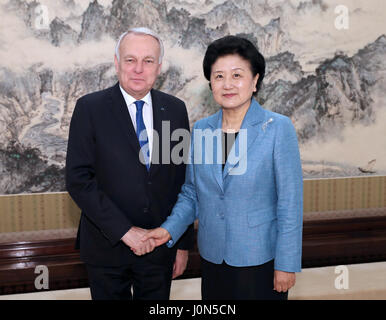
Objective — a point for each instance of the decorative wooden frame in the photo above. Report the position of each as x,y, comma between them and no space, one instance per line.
358,239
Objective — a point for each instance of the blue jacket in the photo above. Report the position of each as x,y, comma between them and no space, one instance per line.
252,211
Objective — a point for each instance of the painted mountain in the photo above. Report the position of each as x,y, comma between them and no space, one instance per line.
329,80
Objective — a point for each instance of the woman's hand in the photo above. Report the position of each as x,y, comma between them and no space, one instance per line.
283,281
158,235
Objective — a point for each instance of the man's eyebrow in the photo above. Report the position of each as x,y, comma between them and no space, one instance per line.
128,56
132,56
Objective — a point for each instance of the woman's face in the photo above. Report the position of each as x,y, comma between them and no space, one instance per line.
232,82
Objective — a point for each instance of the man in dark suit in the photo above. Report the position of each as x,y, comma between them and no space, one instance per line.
111,178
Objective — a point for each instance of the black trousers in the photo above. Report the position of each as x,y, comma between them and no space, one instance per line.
137,281
225,282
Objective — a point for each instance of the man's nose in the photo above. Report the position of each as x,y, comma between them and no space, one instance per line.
138,67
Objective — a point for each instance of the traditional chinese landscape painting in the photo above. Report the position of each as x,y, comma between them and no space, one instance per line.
326,68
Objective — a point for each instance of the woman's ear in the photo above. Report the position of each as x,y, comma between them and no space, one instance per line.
255,82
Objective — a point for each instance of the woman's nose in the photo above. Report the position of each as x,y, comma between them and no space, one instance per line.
227,82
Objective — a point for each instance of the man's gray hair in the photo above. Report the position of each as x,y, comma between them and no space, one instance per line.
143,31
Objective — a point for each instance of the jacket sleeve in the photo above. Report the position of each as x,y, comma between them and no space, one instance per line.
184,211
81,178
186,241
289,189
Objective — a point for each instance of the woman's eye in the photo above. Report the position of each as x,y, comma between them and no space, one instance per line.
237,75
219,76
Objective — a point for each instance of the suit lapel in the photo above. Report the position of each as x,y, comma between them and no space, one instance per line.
216,124
121,113
159,115
254,116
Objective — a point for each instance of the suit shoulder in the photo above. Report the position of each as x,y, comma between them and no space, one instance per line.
168,98
97,96
94,102
278,117
204,122
284,127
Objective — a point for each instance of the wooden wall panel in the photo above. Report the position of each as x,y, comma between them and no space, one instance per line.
325,243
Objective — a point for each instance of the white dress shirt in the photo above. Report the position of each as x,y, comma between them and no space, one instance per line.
147,113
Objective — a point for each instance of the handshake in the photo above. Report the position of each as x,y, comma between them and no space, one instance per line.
142,241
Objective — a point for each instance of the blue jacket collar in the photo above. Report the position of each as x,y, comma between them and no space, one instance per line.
254,115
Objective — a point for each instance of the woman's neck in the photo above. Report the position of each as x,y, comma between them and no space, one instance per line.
233,118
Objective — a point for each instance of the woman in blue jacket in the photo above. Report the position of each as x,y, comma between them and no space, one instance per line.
243,183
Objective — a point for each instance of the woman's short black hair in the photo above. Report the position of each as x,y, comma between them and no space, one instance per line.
235,45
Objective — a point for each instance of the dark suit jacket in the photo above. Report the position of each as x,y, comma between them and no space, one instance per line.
111,186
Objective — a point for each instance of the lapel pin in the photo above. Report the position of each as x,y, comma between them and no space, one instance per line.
162,109
265,124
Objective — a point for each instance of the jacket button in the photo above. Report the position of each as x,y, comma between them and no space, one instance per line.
145,210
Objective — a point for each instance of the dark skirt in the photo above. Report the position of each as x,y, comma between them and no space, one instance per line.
225,282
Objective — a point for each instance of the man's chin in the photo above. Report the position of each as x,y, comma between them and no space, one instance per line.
137,92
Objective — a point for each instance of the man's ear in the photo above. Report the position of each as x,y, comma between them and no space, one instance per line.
116,63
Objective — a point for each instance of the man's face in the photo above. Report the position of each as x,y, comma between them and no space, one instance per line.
138,65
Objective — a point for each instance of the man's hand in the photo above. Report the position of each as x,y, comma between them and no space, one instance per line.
159,236
180,263
283,281
132,239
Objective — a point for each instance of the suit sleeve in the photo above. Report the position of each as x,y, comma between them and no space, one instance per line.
186,241
81,178
289,189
